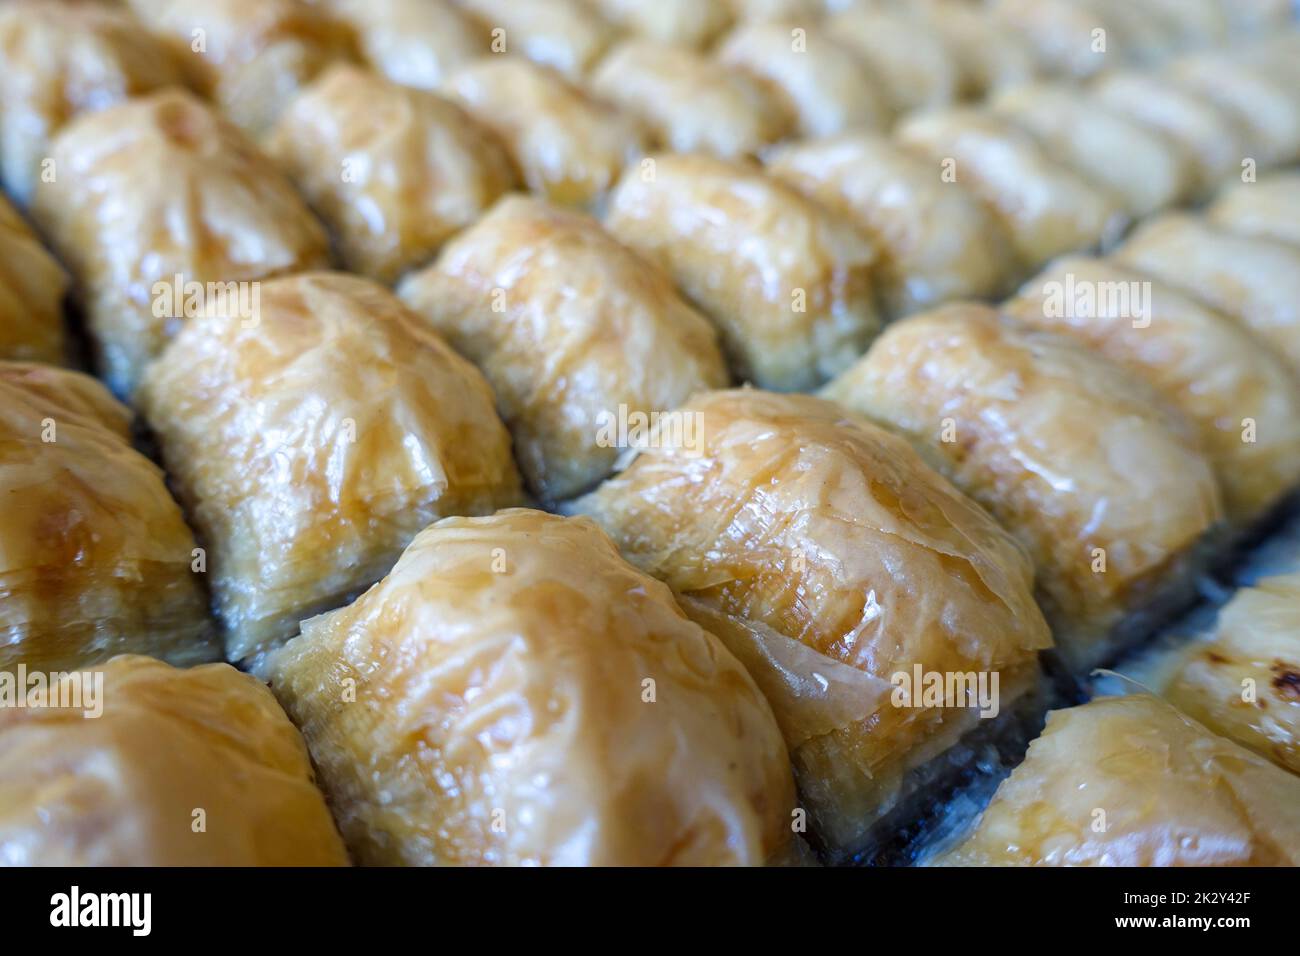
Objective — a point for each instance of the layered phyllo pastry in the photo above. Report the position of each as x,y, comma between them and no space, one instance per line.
841,570
1242,398
157,202
1130,781
392,170
1256,281
413,42
692,23
310,443
567,35
32,286
990,53
821,82
585,342
1267,209
1049,209
787,281
248,56
95,557
1105,486
1082,38
515,693
196,767
935,241
58,59
1145,168
567,145
909,59
689,101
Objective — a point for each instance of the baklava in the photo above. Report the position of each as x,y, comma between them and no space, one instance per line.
692,23
95,557
309,444
1266,209
32,287
196,767
585,342
413,42
915,68
564,34
515,693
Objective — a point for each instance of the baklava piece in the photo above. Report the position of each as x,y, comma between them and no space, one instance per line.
95,558
1212,139
690,102
1256,281
1106,488
413,42
935,241
915,68
1129,781
824,85
1244,682
249,56
393,171
1048,209
59,59
568,146
1266,209
1081,38
838,567
692,23
156,198
1146,169
580,337
567,35
786,281
1243,399
516,693
32,286
195,767
310,444
989,53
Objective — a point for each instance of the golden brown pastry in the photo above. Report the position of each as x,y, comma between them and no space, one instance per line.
786,281
1244,682
567,35
824,85
1143,167
1129,781
393,171
412,42
308,446
58,59
249,56
1267,109
1047,208
830,560
95,558
1214,140
1106,488
580,337
160,187
989,52
515,693
1256,281
916,69
693,23
194,767
569,146
1266,209
689,101
32,286
1243,400
935,241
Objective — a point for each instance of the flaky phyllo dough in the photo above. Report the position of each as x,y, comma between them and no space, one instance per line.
392,170
1244,682
515,693
1129,781
1104,484
58,59
196,767
829,559
161,188
584,341
95,558
32,286
308,446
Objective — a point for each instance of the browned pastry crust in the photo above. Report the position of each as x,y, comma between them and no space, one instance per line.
32,287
